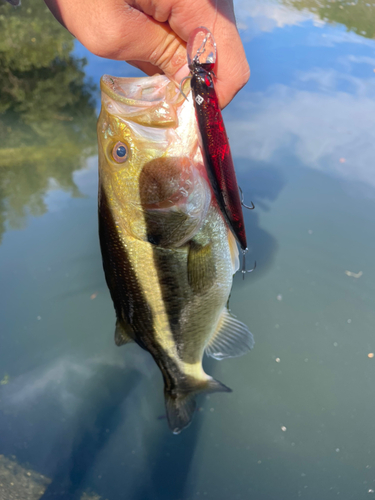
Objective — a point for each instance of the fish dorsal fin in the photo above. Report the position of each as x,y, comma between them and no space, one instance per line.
201,267
121,336
232,338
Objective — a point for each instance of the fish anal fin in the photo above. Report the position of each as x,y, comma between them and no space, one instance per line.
181,405
201,267
232,338
121,335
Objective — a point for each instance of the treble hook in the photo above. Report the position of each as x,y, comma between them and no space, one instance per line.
242,202
244,270
181,84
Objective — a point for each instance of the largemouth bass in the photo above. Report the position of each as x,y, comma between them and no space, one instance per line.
168,254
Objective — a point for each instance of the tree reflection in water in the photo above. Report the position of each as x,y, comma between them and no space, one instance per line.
358,16
47,111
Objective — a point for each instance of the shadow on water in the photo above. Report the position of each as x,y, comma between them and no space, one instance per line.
260,183
168,466
98,419
171,459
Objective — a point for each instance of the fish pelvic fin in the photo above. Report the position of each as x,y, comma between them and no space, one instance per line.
181,404
232,338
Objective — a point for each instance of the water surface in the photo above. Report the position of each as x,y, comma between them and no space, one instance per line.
300,422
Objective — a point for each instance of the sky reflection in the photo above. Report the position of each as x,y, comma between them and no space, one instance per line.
311,94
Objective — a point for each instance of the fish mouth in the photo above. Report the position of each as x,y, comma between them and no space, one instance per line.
150,101
143,91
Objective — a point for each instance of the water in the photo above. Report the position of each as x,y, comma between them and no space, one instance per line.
300,422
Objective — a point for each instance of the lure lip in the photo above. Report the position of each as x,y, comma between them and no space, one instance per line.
211,58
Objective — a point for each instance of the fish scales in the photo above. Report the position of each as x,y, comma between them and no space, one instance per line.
168,254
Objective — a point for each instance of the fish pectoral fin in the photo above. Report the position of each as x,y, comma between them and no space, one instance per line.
201,267
232,338
121,336
181,404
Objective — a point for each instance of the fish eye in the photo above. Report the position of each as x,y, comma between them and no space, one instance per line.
120,152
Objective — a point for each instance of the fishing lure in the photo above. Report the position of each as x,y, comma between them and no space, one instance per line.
201,53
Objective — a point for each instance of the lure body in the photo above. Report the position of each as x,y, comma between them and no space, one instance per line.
216,149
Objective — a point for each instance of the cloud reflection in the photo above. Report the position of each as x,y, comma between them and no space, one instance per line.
64,380
332,38
326,129
267,15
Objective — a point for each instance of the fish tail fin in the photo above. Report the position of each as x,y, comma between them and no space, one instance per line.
181,404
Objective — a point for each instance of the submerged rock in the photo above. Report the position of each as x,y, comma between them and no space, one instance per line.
20,483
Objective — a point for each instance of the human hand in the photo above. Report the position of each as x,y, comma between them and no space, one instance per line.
152,35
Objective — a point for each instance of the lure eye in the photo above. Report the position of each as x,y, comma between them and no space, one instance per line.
120,152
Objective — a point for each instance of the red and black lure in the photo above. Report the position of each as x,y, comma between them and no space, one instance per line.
201,49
